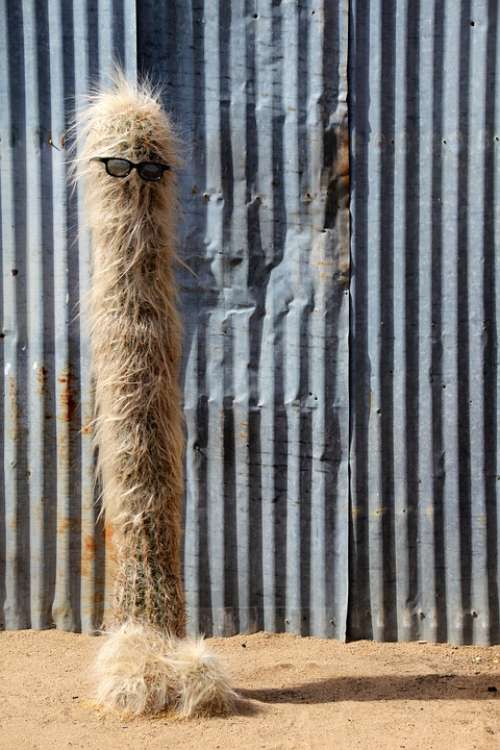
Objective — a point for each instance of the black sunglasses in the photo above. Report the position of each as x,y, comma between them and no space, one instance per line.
118,167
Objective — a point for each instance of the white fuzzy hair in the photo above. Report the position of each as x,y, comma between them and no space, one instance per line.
143,666
204,688
133,672
142,671
136,348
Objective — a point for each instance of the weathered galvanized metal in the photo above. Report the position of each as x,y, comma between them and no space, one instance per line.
51,547
342,449
424,83
260,98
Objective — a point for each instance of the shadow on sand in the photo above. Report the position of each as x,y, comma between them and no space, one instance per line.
383,688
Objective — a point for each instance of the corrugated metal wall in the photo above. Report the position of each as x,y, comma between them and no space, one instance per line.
259,92
424,79
51,551
341,464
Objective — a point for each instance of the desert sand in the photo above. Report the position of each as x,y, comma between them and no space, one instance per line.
297,693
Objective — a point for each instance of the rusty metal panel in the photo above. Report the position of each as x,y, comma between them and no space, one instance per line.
51,548
259,93
424,80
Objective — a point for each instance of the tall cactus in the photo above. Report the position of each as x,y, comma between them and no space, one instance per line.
136,348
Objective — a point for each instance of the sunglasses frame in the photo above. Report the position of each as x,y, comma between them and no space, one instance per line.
106,159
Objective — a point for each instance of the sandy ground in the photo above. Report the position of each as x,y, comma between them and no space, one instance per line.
299,693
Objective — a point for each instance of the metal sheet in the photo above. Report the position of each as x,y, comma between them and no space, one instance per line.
259,93
51,546
424,379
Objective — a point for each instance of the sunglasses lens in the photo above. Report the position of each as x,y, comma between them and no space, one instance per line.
150,171
118,167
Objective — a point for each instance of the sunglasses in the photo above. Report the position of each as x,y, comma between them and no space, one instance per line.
118,167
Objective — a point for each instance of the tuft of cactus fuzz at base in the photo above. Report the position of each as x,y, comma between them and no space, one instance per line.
133,673
204,689
135,338
142,671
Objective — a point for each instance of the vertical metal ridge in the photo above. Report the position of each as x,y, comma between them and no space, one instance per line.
296,290
189,112
194,456
215,324
397,367
384,514
376,508
38,249
337,420
450,332
15,604
65,610
242,310
478,325
491,187
267,372
359,612
321,268
463,271
92,582
423,355
438,446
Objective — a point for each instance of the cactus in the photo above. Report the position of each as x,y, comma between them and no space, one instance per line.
136,349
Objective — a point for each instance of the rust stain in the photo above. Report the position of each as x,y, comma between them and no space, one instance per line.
68,524
341,167
66,396
89,546
341,171
41,380
335,183
88,555
111,551
343,270
244,431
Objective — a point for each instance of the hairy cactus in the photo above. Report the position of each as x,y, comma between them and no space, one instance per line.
136,349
